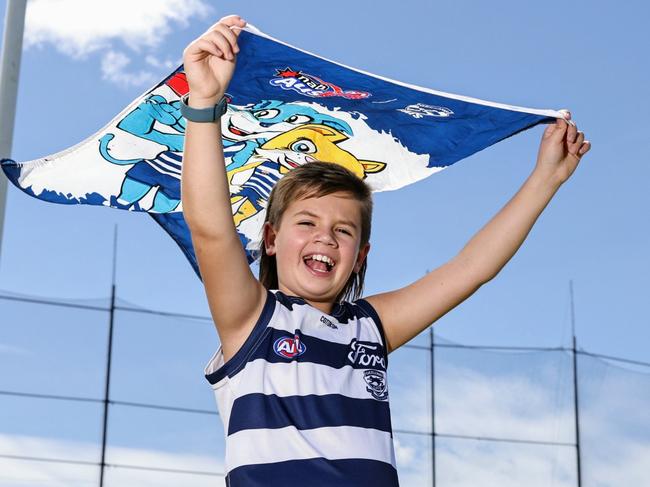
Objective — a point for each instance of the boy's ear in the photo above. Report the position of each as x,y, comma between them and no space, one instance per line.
363,253
269,239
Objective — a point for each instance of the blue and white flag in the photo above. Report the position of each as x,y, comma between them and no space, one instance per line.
287,107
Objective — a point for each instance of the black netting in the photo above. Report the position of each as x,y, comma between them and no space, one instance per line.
501,417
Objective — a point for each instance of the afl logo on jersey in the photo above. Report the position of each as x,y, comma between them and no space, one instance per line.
289,347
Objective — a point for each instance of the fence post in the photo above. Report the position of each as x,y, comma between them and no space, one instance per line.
433,408
12,44
576,409
109,356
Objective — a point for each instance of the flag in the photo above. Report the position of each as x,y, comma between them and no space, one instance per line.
287,107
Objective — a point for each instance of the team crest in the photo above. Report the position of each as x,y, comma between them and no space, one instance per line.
420,110
289,347
376,380
312,86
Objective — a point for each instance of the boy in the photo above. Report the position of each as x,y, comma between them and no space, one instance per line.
300,375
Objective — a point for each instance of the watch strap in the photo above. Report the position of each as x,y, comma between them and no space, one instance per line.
203,115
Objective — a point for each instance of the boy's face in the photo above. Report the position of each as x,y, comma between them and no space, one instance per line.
317,247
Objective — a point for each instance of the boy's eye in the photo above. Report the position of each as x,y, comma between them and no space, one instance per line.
305,223
345,231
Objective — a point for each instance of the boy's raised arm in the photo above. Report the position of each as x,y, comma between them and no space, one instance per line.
407,311
235,296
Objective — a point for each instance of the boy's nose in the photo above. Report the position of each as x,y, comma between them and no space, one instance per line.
326,237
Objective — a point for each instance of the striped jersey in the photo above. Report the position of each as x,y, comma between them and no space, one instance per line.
264,178
305,400
167,162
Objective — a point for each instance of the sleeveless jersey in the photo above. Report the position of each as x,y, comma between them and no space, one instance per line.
305,399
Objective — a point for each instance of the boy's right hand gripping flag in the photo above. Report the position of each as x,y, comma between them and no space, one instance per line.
287,108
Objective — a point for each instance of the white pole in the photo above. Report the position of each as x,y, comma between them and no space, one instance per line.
12,45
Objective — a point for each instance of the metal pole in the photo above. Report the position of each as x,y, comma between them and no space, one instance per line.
109,356
12,44
576,408
433,407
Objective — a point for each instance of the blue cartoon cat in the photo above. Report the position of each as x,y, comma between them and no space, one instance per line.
162,171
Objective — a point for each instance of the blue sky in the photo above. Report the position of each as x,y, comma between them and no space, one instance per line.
585,56
595,231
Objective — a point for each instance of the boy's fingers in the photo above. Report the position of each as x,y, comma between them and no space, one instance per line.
221,42
574,148
567,116
234,22
584,148
571,134
548,131
560,130
236,29
230,36
229,20
207,46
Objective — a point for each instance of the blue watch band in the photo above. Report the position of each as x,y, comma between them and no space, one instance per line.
211,114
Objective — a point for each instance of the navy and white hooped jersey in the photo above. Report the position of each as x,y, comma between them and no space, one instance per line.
167,162
264,177
305,399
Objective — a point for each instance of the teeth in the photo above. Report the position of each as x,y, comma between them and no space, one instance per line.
323,258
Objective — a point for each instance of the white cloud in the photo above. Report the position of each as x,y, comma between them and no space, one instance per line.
462,462
160,63
616,441
510,406
520,404
114,65
36,474
80,27
403,454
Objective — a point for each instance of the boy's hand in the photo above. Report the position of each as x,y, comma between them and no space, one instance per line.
561,149
209,61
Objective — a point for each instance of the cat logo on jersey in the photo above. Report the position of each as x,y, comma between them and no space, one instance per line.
376,380
289,347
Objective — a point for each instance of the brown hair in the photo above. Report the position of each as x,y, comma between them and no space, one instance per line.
316,179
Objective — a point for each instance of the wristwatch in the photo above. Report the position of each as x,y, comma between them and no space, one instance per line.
210,114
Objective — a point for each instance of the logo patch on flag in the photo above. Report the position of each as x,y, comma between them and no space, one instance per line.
310,85
419,110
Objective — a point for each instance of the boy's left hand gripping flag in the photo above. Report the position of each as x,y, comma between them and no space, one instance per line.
287,108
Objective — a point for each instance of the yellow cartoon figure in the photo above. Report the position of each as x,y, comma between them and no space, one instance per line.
277,156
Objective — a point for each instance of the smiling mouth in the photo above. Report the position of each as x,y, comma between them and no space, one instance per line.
237,131
290,162
318,266
293,164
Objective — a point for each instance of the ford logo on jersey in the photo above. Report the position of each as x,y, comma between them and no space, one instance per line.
367,355
289,347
